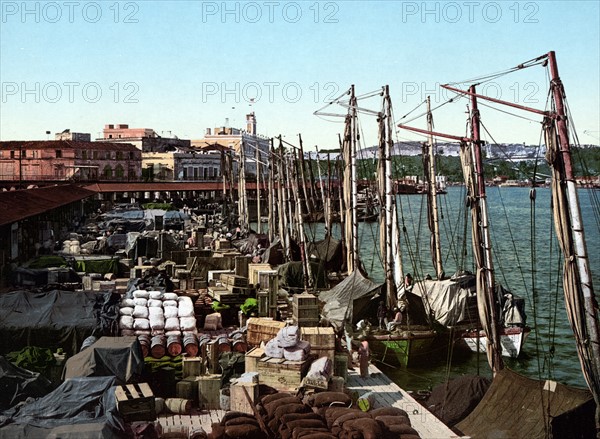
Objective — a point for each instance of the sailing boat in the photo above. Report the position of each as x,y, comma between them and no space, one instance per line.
412,340
541,409
452,302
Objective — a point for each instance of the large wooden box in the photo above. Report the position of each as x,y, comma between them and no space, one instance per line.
253,270
281,374
239,402
262,329
322,341
208,392
232,280
252,357
135,402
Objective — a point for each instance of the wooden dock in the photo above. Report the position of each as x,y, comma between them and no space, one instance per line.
385,394
389,394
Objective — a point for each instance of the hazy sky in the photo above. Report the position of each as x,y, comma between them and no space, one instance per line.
184,66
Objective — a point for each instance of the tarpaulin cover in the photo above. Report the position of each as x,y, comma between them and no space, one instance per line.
54,319
97,264
291,275
110,356
447,299
18,384
328,251
349,299
76,401
519,407
451,402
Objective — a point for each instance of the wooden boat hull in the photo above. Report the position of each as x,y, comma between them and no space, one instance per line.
511,340
405,349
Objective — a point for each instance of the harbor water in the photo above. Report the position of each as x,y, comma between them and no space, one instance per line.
527,261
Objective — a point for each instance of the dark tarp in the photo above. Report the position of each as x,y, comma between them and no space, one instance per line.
97,264
451,402
350,298
55,319
291,276
517,407
275,255
110,356
17,384
247,246
74,403
328,251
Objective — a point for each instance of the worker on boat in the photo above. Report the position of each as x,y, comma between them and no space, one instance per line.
397,321
382,315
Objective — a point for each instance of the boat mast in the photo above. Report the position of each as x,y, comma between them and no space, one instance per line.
577,277
326,201
486,300
353,178
432,195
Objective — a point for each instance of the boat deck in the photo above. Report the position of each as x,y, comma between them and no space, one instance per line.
386,394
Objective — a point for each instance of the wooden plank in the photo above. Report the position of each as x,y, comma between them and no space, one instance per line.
146,390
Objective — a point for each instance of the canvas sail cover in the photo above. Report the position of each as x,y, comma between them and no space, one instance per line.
348,299
448,300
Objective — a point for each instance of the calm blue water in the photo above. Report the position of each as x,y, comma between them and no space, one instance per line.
526,260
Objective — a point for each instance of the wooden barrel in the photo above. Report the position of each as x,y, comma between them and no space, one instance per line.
145,344
223,343
178,406
174,345
190,344
157,346
240,346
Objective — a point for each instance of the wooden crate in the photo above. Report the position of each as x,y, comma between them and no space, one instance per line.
208,392
135,402
232,280
322,341
252,357
192,367
268,280
304,300
187,388
304,323
262,329
282,374
253,270
238,401
300,312
222,244
262,297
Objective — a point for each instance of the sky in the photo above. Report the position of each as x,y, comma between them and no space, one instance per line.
180,67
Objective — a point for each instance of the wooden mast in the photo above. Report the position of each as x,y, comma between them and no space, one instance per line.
272,202
579,291
486,299
432,195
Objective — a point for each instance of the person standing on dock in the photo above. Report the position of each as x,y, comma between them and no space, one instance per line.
364,354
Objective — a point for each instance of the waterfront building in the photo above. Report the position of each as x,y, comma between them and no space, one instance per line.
66,160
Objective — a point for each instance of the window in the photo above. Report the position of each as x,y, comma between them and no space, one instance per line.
95,155
23,153
84,155
35,153
110,136
119,155
131,157
107,155
12,154
119,172
107,172
58,154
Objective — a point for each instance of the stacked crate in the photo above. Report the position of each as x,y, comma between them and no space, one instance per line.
262,329
322,341
305,310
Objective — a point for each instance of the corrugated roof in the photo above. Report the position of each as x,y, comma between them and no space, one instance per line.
65,144
25,203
